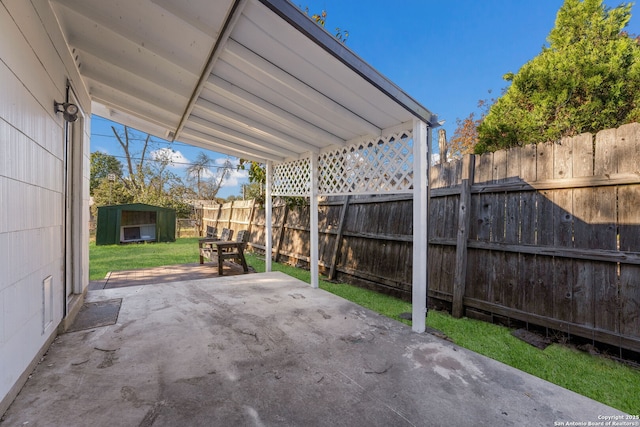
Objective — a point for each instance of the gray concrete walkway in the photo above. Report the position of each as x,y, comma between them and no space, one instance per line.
267,350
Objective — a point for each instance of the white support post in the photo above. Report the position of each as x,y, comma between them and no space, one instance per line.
421,143
313,221
268,235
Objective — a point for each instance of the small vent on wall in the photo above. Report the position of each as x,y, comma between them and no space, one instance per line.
47,303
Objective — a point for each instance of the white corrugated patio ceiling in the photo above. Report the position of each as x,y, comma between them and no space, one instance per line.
255,79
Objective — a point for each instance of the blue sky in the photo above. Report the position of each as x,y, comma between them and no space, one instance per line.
447,55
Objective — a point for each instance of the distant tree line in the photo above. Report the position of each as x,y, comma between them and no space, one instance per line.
145,176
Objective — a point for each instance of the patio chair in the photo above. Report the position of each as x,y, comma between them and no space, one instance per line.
233,251
207,245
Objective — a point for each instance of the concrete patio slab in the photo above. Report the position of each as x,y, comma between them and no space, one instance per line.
266,349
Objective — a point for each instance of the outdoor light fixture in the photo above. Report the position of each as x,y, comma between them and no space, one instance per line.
69,111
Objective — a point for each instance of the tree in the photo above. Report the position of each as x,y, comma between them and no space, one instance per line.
197,171
110,193
253,190
135,181
587,79
148,178
465,137
212,185
101,166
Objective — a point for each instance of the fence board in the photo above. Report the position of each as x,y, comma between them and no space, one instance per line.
436,176
606,316
544,283
563,277
479,229
602,221
629,196
563,219
483,169
629,218
563,159
513,164
528,171
596,217
606,159
630,300
526,282
496,277
500,166
563,268
582,294
476,286
498,218
495,273
628,148
526,263
541,300
451,218
583,155
435,267
544,161
512,289
437,213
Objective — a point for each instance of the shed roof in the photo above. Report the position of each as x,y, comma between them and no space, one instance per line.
251,78
135,207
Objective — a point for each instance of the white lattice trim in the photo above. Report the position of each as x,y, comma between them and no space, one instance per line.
382,165
292,178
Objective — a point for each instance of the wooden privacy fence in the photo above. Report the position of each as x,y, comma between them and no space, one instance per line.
363,240
547,234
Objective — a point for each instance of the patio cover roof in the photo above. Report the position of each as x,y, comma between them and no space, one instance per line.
255,79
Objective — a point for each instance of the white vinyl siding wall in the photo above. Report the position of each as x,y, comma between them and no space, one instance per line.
32,75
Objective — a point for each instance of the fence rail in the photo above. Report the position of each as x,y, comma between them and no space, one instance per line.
547,234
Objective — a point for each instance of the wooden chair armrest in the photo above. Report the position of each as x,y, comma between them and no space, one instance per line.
207,240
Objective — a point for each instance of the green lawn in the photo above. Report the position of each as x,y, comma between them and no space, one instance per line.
104,259
601,379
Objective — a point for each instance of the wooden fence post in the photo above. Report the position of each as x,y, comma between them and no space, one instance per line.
442,144
219,213
251,215
464,207
199,220
336,247
230,216
281,232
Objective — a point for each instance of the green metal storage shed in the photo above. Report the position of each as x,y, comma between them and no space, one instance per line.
135,222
